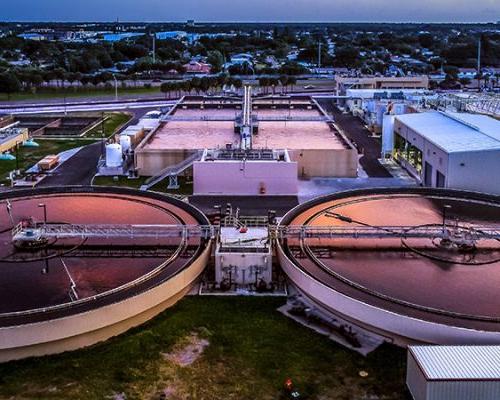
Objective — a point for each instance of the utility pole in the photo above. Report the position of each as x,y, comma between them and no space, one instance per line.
116,87
479,65
319,54
102,135
154,48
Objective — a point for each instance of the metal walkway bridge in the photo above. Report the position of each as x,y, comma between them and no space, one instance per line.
459,234
474,233
84,231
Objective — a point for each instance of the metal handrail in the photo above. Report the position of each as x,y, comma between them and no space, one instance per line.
129,285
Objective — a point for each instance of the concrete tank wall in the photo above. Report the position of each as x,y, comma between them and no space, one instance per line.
392,324
326,163
85,329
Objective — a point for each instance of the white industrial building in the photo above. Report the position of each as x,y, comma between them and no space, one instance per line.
454,372
244,256
371,105
448,150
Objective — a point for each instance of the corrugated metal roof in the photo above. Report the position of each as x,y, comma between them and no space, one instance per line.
458,362
455,132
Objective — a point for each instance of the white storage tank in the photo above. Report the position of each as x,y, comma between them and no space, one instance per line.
113,155
454,372
370,106
380,109
399,109
125,142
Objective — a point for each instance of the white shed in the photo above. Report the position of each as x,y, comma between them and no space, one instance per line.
454,372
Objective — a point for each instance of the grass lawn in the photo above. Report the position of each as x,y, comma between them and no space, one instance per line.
113,121
29,156
186,187
252,350
71,93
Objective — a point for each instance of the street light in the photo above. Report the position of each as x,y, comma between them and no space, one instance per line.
445,207
44,206
116,87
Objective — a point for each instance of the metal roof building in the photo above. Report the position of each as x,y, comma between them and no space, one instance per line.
454,132
449,150
454,372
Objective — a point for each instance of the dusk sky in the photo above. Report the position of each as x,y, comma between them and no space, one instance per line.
252,10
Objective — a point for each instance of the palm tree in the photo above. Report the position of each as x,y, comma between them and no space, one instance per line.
187,86
264,83
284,82
292,80
274,82
166,87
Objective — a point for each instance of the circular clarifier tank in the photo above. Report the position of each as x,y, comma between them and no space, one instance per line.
91,286
412,264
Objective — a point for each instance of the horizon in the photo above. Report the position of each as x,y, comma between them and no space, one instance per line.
248,22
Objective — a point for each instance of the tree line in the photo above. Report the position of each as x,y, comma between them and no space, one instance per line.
217,83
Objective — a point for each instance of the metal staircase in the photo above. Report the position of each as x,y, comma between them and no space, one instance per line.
172,172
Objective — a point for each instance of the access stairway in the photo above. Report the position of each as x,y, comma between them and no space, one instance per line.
172,172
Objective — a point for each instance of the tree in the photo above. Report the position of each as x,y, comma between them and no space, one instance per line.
36,80
284,82
464,81
292,81
292,68
426,40
60,74
9,84
238,83
166,87
216,60
347,56
187,85
451,73
264,83
273,82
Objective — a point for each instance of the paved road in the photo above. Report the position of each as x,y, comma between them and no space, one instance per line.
98,103
356,131
78,170
84,107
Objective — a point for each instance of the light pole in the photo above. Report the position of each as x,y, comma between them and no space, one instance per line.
65,105
445,207
116,87
44,206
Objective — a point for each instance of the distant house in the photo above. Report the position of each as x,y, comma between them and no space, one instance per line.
32,36
272,62
242,58
116,37
292,55
170,35
195,67
467,73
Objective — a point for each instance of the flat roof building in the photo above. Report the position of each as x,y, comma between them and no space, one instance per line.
454,372
380,82
449,150
11,137
298,125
